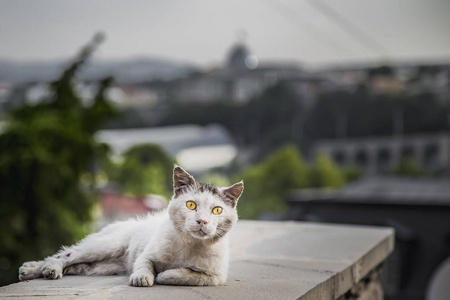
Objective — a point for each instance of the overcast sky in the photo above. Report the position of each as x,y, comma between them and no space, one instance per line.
202,31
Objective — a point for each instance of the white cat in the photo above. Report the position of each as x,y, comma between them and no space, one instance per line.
187,244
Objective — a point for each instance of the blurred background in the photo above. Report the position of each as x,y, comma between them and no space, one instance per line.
330,111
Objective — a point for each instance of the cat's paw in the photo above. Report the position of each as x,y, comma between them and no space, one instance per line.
141,278
30,270
52,271
176,277
186,276
52,268
166,277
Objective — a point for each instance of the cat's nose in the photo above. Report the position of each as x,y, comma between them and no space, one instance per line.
202,222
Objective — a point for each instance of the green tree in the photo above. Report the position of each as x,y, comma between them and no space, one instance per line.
145,169
325,174
352,173
408,167
45,149
267,184
217,179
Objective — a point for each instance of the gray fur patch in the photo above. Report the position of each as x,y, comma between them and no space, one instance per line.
78,269
201,188
206,187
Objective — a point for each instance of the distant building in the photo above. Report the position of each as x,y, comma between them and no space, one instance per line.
195,147
132,96
395,78
241,78
5,89
379,154
32,93
241,59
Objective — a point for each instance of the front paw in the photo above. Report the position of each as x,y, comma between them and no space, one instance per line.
52,268
141,278
30,270
52,272
168,277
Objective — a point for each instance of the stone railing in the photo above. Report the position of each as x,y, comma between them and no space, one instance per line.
269,260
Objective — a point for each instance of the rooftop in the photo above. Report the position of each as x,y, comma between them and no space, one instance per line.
197,148
391,190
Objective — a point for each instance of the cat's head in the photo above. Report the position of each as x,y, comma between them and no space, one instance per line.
201,210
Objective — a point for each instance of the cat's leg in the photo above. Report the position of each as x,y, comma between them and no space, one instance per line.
107,245
51,267
113,267
187,276
104,246
87,255
143,271
31,270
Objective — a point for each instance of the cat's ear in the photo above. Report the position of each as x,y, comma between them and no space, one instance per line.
233,193
181,178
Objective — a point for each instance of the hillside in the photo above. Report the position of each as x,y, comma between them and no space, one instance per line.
129,70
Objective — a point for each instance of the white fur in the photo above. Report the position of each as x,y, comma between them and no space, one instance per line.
177,246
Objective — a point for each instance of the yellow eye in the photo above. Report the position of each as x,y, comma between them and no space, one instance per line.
191,205
217,210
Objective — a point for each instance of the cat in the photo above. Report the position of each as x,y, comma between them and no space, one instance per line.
186,244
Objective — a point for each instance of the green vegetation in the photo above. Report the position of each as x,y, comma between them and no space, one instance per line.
45,150
267,183
49,157
408,167
144,169
217,179
352,173
325,173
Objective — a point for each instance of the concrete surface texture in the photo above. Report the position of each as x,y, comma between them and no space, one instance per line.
269,260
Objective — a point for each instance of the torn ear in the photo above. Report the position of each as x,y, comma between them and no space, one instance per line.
181,178
233,193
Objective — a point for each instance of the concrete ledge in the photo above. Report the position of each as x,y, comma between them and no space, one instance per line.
269,260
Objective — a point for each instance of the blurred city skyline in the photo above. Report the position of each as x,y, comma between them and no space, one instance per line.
201,32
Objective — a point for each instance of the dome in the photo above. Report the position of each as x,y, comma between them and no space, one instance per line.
241,59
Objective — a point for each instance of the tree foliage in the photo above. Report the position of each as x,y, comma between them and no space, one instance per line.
145,169
408,167
352,173
44,151
325,173
268,183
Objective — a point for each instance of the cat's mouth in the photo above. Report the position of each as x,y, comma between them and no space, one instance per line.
199,233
